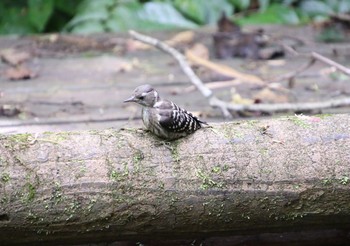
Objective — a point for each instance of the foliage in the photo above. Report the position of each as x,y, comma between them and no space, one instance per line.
295,11
89,16
33,16
110,15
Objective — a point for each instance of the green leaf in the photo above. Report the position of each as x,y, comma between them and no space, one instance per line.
263,5
274,14
331,35
288,2
98,15
13,20
194,10
289,16
240,4
164,14
343,6
93,5
204,12
39,12
314,8
216,8
68,7
123,18
89,27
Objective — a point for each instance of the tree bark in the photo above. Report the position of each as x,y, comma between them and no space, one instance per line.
246,177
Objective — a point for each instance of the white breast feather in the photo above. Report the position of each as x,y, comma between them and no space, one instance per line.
145,117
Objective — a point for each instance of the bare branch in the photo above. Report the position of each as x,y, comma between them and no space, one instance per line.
282,107
227,107
178,56
185,67
295,73
331,63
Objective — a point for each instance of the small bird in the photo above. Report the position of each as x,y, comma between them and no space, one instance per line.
163,117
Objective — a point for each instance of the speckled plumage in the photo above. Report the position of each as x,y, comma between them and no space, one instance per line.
163,117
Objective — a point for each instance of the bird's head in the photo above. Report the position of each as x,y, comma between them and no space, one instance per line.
144,95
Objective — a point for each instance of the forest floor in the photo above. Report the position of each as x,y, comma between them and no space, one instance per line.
76,83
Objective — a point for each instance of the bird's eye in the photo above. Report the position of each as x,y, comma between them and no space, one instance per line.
141,97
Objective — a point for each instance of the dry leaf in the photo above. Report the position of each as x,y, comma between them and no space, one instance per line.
238,99
215,85
223,69
14,57
200,50
126,67
9,110
19,72
134,45
267,95
185,37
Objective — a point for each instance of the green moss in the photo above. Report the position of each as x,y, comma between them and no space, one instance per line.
2,161
252,123
5,177
72,209
119,176
296,187
173,146
225,168
323,116
344,180
32,218
327,181
20,138
294,216
207,181
18,141
4,200
229,131
138,157
216,169
245,216
82,169
298,121
161,185
57,195
264,151
94,132
56,138
31,192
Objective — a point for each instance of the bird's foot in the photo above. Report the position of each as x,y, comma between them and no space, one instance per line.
164,143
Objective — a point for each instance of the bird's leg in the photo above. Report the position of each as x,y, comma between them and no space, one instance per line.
164,143
137,130
142,130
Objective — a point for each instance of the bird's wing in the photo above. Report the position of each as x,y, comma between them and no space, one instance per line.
175,119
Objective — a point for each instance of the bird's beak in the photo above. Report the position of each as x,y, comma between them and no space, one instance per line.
130,99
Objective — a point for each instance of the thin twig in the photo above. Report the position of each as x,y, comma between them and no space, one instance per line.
178,56
295,73
184,66
282,107
331,63
313,57
216,85
227,107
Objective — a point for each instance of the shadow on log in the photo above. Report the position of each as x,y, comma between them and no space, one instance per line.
239,178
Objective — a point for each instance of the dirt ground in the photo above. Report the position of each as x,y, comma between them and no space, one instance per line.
81,82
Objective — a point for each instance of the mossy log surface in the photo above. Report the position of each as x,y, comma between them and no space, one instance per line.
234,178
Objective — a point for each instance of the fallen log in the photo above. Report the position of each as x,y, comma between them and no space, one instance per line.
278,175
